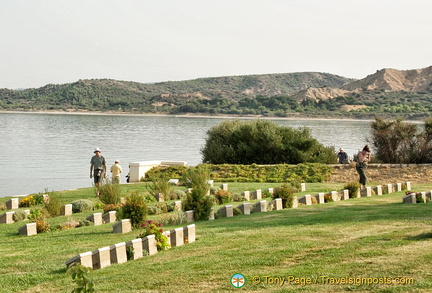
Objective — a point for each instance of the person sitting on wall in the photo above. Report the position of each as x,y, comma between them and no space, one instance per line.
342,157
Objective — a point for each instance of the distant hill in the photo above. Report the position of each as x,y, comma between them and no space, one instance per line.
388,91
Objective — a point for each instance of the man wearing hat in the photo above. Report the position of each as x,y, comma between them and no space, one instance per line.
342,157
116,169
97,166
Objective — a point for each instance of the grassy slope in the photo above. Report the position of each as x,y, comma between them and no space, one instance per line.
366,237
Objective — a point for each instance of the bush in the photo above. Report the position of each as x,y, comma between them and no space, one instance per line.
37,214
286,193
134,208
111,207
42,226
19,215
197,200
160,184
223,197
263,142
237,212
53,205
108,193
152,228
353,189
178,194
82,205
328,197
176,218
85,223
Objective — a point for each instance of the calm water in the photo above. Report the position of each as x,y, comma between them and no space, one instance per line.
53,151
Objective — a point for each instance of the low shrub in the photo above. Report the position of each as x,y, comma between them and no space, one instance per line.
353,189
68,225
54,205
328,197
286,193
178,194
85,223
237,212
152,228
108,193
80,276
160,184
82,205
2,207
223,197
19,215
37,214
42,226
238,198
176,218
111,207
98,205
134,208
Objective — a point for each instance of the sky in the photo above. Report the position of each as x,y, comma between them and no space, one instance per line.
57,41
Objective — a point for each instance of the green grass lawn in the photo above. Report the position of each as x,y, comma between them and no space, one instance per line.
370,238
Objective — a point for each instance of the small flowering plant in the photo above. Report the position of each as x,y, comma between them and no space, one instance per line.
150,227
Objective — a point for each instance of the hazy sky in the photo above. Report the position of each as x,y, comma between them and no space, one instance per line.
61,41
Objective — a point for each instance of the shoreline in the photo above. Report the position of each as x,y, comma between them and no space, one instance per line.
207,116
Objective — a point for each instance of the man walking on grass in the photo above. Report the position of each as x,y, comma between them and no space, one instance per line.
97,167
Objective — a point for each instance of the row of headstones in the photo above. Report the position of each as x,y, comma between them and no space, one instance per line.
344,194
7,218
116,253
261,206
412,197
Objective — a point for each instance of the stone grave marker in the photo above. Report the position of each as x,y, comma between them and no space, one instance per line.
173,181
378,190
246,195
160,197
28,229
409,198
210,182
305,199
260,207
277,204
303,187
389,188
177,237
397,187
335,195
118,253
212,215
408,186
295,202
96,218
271,190
257,194
85,259
224,186
226,211
66,210
178,205
123,226
189,233
366,192
429,194
7,218
244,208
137,247
189,216
345,194
320,197
110,217
101,258
149,244
12,204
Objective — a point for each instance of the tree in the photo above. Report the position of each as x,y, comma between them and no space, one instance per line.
396,141
263,142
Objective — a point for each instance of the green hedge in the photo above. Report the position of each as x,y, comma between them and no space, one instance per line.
308,172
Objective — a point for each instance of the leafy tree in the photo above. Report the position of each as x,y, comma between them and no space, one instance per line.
396,141
197,200
263,142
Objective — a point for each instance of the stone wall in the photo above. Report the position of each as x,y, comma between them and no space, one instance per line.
383,173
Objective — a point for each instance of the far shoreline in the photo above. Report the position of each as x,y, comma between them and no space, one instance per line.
207,116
